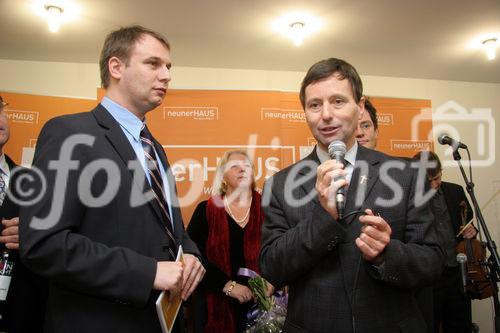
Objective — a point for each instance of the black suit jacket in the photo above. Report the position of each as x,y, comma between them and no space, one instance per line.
27,291
100,259
332,289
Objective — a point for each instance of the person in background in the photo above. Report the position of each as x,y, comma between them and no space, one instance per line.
27,291
357,273
107,231
452,308
227,229
367,133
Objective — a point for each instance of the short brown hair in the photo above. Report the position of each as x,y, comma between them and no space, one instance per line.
433,159
326,68
371,111
119,44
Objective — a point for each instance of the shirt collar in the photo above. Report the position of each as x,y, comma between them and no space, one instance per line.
350,155
127,120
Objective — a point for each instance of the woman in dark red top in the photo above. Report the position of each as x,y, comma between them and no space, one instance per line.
226,229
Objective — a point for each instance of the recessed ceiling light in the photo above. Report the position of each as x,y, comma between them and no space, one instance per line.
490,45
297,26
56,12
488,42
297,32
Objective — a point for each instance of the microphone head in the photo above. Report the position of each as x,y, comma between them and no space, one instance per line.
444,139
336,149
461,258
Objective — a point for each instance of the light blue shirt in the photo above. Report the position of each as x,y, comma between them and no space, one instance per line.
131,127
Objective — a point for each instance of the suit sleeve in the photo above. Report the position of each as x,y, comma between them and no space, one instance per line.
416,260
291,251
55,249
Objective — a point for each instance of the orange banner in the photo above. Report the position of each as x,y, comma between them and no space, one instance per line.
195,127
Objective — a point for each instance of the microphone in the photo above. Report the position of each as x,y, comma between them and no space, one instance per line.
444,139
462,262
337,150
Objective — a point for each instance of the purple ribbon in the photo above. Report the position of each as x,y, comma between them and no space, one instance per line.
247,272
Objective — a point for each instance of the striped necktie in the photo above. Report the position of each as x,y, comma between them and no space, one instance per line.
3,188
156,179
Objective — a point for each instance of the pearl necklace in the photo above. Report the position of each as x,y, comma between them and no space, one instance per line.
232,215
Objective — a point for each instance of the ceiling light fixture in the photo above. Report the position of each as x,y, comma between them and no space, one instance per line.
490,45
56,12
297,26
54,17
297,32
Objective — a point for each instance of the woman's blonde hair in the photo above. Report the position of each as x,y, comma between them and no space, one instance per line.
219,186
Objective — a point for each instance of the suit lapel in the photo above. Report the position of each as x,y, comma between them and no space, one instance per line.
114,134
364,177
122,146
310,185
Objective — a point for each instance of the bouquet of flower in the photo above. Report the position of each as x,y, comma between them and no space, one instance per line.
269,314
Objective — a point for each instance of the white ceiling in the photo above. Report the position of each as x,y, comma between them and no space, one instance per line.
401,38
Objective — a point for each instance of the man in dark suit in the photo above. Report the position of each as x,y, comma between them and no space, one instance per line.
354,274
27,292
107,228
452,308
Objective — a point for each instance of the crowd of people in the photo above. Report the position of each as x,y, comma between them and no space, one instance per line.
88,265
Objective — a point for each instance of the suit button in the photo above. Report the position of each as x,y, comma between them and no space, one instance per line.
332,245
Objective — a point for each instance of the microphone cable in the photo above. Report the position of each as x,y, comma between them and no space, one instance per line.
356,275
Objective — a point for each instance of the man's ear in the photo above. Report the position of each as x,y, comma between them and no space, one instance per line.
361,105
115,67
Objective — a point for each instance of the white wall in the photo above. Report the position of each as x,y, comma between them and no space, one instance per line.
81,80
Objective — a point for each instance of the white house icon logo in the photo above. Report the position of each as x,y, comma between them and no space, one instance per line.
453,119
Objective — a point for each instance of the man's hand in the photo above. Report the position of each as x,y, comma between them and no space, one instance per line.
10,233
168,276
374,237
469,232
329,178
193,273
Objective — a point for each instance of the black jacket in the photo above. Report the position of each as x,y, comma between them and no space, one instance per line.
24,309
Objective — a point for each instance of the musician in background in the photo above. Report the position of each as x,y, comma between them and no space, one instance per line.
452,309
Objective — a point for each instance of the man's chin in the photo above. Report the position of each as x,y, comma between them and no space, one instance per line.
156,103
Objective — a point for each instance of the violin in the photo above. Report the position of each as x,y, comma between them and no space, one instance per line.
478,284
